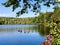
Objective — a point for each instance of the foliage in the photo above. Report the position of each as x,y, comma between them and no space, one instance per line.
55,31
4,20
52,18
53,22
34,5
55,26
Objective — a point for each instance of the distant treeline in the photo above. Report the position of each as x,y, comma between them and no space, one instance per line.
5,20
42,18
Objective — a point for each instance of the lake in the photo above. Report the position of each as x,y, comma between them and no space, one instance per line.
21,34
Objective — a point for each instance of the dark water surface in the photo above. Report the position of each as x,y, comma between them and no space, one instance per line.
21,35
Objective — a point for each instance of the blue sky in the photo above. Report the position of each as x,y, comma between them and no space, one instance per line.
7,12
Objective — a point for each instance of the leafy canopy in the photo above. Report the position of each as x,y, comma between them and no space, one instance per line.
34,5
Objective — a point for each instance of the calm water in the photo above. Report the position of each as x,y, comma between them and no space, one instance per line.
21,35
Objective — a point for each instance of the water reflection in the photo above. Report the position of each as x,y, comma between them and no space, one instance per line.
27,31
42,31
22,34
24,28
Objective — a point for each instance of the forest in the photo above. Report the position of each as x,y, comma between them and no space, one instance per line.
6,20
48,19
44,17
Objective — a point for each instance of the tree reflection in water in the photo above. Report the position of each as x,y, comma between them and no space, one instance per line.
36,28
42,31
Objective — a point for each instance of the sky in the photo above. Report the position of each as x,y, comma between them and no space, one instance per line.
7,12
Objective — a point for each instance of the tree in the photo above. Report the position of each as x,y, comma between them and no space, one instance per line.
34,5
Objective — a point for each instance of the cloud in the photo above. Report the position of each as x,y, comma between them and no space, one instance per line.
31,14
7,15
